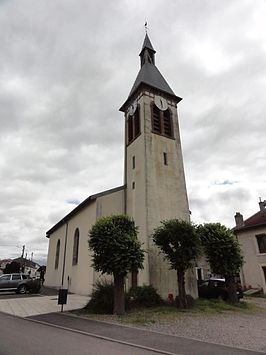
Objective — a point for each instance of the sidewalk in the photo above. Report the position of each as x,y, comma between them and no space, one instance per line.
124,334
30,305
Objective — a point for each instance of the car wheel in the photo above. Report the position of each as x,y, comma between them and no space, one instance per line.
22,289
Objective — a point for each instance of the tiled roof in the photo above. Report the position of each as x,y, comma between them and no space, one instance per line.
256,220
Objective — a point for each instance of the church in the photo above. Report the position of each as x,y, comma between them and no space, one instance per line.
154,190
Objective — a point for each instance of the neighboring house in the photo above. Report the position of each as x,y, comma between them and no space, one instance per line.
28,267
154,189
251,234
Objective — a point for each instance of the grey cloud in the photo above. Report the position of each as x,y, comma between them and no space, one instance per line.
67,68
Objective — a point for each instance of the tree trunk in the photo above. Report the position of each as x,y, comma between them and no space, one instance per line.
119,295
231,286
181,289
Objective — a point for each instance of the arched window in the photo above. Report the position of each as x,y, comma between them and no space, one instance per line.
76,247
162,122
57,253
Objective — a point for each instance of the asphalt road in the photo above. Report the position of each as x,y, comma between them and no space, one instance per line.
19,336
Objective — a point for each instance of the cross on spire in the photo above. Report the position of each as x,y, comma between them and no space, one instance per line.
146,27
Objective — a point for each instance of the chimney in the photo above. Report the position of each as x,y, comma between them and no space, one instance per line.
239,219
262,205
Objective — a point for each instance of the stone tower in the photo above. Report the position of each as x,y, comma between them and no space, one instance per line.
154,172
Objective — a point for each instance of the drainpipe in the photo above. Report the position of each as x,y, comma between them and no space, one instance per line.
64,260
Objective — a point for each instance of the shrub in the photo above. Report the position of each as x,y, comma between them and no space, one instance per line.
102,298
145,296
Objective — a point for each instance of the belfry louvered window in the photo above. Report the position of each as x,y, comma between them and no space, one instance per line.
162,122
133,126
156,120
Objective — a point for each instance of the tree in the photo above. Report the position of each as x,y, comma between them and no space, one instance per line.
12,268
223,253
180,243
116,251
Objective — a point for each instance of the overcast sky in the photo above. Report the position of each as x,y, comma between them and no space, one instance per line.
67,66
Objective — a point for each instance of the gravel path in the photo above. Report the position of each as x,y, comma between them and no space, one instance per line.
234,329
243,330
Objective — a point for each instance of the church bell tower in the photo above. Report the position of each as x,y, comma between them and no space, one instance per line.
154,172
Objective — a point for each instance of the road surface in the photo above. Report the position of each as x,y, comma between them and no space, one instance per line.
20,336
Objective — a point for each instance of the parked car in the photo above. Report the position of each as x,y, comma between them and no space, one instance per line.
215,288
19,283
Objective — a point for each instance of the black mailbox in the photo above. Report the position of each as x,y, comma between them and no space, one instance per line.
62,296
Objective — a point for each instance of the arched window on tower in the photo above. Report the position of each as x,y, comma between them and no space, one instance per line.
162,122
133,126
57,253
76,247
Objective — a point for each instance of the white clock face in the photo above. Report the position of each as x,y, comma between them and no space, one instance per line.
132,108
161,103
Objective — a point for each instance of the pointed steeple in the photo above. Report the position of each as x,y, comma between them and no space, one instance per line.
147,52
149,75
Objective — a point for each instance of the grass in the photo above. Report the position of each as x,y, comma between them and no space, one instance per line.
168,313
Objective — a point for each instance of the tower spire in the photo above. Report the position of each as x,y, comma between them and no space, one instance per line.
147,52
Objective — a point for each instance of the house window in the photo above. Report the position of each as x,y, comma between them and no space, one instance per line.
133,126
261,240
162,122
57,254
76,247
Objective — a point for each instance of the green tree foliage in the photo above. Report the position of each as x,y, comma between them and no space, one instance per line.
180,243
223,253
116,251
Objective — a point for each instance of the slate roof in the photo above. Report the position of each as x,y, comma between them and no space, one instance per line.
147,44
80,207
149,74
255,221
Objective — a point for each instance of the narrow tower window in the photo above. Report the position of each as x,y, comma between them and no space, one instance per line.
165,160
133,162
133,185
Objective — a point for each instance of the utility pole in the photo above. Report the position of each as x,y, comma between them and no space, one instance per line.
22,256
